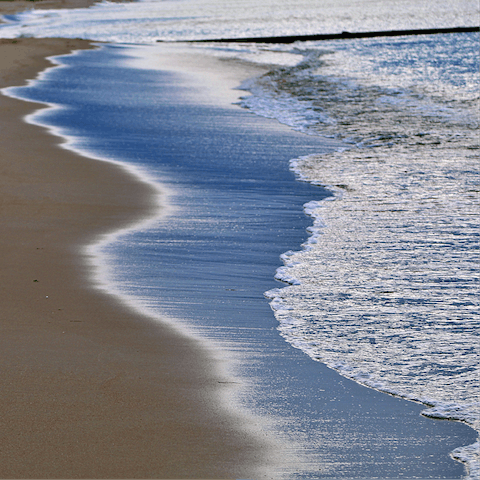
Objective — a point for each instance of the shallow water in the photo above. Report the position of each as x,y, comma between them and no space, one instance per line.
386,288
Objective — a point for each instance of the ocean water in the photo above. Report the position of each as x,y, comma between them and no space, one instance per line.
150,20
385,290
382,136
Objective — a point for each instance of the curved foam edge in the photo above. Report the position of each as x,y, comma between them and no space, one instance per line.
468,455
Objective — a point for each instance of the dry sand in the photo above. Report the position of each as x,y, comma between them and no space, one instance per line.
7,7
89,389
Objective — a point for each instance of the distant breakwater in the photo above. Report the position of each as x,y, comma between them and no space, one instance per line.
335,36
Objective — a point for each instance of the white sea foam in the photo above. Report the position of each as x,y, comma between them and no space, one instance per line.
149,20
404,323
385,290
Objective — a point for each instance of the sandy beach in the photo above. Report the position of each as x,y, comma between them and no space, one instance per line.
9,7
89,389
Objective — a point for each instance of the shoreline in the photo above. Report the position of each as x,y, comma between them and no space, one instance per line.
216,301
90,388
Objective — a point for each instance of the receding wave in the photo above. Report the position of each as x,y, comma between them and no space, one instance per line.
385,290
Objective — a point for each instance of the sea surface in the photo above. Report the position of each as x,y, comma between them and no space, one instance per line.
354,210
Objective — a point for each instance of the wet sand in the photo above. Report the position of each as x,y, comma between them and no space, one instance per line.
90,389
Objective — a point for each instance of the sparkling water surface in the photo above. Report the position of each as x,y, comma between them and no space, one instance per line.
151,20
386,288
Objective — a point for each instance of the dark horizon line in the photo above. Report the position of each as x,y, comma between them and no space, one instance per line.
332,36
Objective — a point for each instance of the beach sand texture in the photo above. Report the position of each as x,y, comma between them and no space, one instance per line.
9,7
89,388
